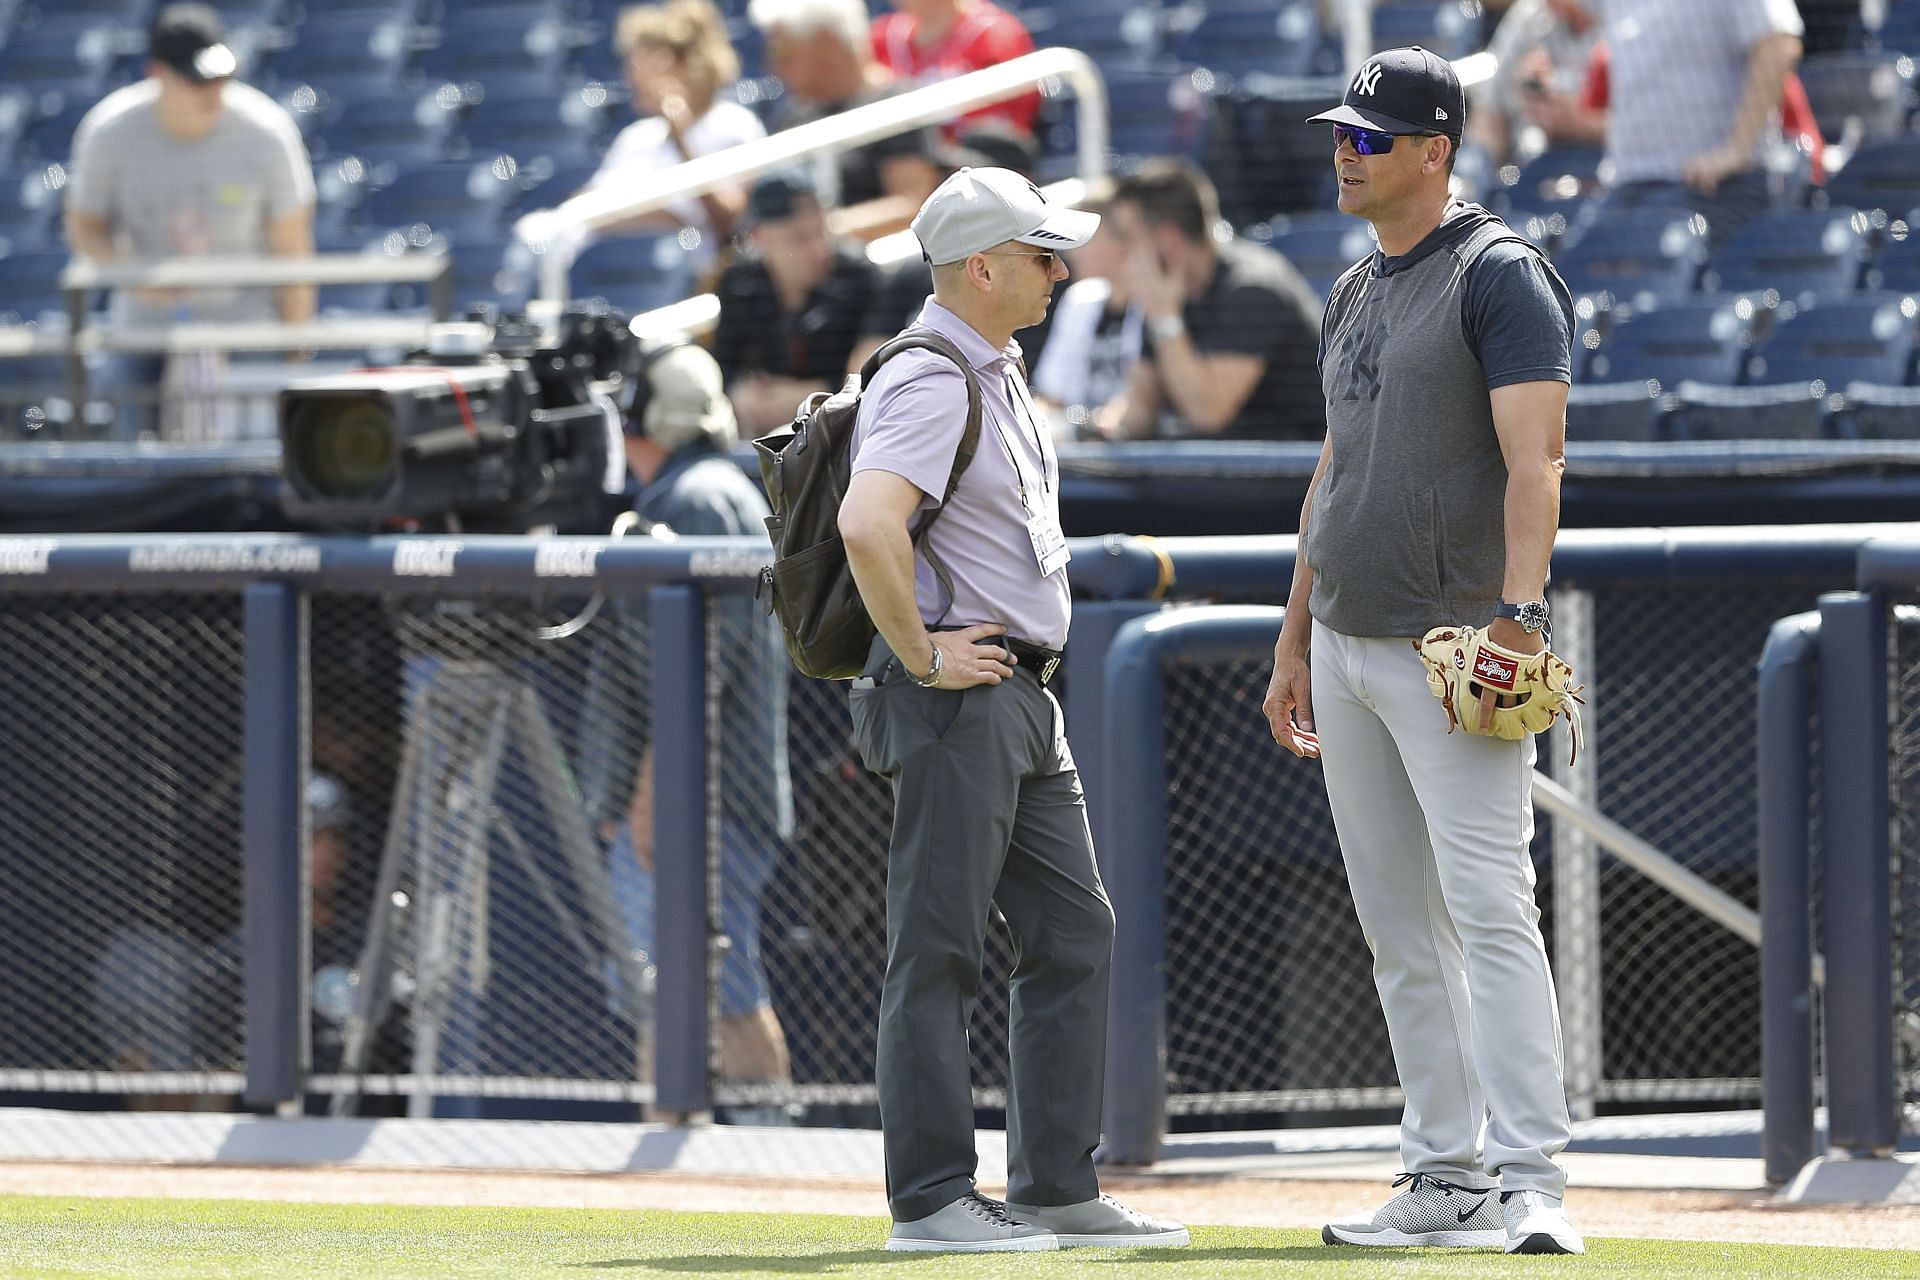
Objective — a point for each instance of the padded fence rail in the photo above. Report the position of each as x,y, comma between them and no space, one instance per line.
481,777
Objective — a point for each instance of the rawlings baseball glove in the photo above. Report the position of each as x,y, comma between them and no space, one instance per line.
1529,689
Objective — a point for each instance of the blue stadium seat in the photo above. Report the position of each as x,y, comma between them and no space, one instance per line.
460,12
49,139
71,16
496,271
1793,254
35,397
480,47
1155,113
1277,39
1896,267
634,273
30,206
1558,175
74,65
1621,385
401,129
454,200
30,285
567,129
1795,378
1635,255
1451,28
1871,93
348,55
1321,245
1899,30
552,188
1115,35
1885,176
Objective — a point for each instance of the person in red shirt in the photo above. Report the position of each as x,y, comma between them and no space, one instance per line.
930,40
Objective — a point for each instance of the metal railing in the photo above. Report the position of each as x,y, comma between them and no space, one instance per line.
930,104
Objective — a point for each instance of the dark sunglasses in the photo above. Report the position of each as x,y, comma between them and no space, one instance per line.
1368,142
1047,256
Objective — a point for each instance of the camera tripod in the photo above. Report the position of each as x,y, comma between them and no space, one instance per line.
431,903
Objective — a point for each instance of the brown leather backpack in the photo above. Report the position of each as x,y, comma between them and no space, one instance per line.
806,468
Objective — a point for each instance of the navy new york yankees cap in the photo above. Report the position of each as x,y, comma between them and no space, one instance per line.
1402,91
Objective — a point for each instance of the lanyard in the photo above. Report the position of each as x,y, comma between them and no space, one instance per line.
1016,396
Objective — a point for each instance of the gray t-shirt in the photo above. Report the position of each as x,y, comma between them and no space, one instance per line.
1677,73
911,419
164,197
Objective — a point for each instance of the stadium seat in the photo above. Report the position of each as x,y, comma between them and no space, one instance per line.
1795,378
49,139
1132,37
1884,176
1558,175
71,16
74,65
1859,96
1274,39
1154,113
347,55
455,200
399,129
1321,245
30,285
1792,254
553,186
1618,392
496,271
485,45
634,273
1451,29
566,129
35,397
1896,267
460,12
1635,255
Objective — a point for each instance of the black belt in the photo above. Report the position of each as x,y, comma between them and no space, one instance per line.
1044,663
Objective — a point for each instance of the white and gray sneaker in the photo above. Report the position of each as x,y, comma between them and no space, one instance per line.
971,1224
1102,1223
1537,1223
1430,1213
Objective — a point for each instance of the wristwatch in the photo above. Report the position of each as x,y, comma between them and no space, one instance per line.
1532,615
932,677
1166,328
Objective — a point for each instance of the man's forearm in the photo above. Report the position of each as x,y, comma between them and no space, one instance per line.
1767,67
1532,521
297,302
1189,385
883,569
92,243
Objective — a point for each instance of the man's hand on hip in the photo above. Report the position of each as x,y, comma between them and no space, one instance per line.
965,661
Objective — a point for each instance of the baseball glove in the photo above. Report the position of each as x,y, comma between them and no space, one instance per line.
1529,689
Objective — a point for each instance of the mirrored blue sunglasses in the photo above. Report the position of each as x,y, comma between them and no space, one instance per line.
1368,142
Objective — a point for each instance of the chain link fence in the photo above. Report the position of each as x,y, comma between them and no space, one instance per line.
1904,650
120,815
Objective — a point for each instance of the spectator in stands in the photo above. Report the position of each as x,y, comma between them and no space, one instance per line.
823,53
1232,329
1081,378
677,60
1692,91
791,310
677,442
1541,48
929,40
188,162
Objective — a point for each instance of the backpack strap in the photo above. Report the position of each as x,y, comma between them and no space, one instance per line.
919,339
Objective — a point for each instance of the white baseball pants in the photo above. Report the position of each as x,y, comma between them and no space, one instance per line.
1435,831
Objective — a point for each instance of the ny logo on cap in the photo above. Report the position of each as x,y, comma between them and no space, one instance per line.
1368,80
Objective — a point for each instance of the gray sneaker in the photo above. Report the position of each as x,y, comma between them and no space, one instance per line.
1430,1213
1103,1223
971,1224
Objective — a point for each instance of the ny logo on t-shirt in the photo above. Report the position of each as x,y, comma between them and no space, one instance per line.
1363,362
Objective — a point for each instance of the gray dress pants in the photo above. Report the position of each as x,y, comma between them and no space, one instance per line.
988,811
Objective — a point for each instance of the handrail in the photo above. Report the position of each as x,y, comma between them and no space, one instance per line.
254,271
930,104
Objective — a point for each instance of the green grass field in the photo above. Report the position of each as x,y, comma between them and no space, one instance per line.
218,1238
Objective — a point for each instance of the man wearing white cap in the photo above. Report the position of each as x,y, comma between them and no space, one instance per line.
954,709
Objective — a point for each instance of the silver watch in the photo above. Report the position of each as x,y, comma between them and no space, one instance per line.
932,677
1532,615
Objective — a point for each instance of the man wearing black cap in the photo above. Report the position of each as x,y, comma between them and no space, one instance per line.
790,311
189,162
1444,362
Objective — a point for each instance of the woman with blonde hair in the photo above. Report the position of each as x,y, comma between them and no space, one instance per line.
678,59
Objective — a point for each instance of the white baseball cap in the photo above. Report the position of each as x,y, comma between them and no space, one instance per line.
976,209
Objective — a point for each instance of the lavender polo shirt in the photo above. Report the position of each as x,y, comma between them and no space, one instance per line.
911,419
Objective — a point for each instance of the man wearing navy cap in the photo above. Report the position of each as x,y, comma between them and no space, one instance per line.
790,311
1444,360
